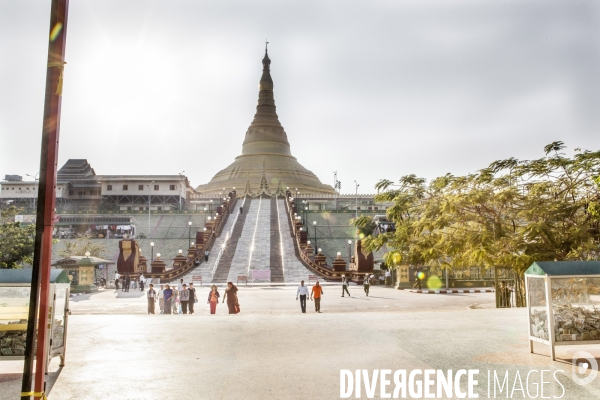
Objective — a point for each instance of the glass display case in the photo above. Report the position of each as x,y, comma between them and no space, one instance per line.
563,303
15,288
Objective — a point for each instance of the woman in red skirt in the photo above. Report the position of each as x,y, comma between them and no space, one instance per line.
232,299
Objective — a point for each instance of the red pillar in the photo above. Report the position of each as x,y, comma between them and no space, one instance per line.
40,280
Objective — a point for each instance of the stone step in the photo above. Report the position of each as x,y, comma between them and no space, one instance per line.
275,260
224,265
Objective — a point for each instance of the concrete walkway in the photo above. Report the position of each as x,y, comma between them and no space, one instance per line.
273,351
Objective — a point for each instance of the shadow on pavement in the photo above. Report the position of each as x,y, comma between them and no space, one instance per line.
130,295
387,298
51,379
10,384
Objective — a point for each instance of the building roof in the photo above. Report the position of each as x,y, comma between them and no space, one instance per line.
564,268
140,178
75,168
23,276
73,260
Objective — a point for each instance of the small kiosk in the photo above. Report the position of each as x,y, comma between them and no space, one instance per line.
15,287
563,303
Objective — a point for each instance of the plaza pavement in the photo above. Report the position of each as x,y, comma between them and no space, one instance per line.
272,351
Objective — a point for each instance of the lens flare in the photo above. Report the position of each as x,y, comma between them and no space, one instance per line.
434,282
421,275
55,31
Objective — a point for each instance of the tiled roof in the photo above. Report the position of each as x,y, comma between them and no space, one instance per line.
139,178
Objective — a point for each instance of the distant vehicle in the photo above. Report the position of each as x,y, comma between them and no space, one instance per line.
383,225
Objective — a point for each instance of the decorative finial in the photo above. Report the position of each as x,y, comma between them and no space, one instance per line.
266,45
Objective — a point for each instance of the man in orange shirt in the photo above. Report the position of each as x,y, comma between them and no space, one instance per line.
316,293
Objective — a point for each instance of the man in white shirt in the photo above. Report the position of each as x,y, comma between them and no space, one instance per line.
303,292
180,285
142,281
388,278
161,299
117,277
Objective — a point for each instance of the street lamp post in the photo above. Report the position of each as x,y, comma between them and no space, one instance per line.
349,251
210,204
189,234
152,246
35,178
149,202
182,182
315,226
356,206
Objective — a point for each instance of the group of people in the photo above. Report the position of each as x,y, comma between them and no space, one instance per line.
181,299
127,282
316,292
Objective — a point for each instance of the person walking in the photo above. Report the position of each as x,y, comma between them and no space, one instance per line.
184,298
232,298
168,297
117,276
151,298
345,285
388,278
213,299
241,210
161,299
176,305
127,282
193,297
142,281
180,285
418,278
366,285
316,293
206,254
303,293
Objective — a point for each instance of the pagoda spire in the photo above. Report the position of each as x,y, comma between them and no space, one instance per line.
266,113
265,135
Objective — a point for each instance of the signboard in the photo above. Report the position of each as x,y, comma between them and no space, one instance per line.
26,219
261,275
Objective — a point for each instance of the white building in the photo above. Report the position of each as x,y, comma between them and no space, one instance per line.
80,189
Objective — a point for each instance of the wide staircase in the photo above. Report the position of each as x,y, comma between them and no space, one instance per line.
227,252
257,239
205,269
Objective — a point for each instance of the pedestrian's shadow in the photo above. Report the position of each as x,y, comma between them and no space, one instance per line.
130,295
387,298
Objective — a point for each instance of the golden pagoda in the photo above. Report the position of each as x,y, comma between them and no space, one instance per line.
266,165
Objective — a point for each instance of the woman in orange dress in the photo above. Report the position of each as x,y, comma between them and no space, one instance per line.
213,299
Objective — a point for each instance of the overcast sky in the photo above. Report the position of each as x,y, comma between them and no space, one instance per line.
373,89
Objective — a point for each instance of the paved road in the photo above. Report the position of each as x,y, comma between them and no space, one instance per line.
276,300
272,351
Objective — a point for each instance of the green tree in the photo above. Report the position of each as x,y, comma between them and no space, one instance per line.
510,213
16,239
79,246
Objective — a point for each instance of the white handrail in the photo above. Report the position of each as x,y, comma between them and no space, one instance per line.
229,233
